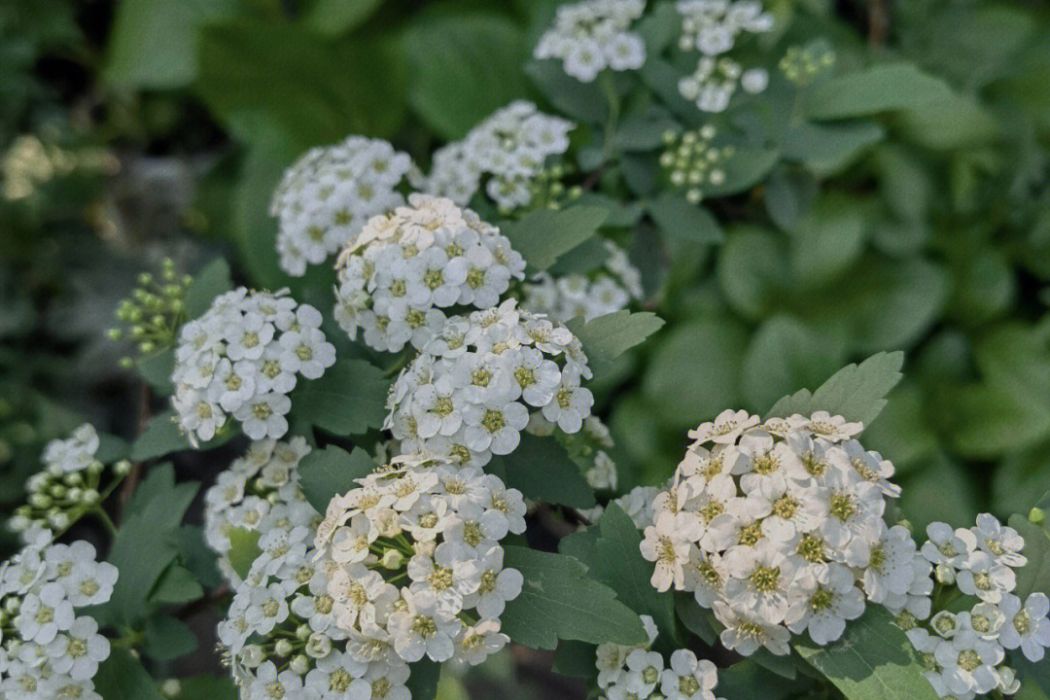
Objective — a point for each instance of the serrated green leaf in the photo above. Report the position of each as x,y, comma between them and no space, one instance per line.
542,470
331,472
700,621
122,677
160,437
196,556
872,661
244,550
167,638
463,68
857,392
544,235
176,585
349,399
618,563
690,222
559,601
881,88
208,283
157,369
607,337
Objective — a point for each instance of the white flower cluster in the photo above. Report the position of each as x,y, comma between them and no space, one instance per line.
633,673
259,492
468,394
326,197
712,27
511,147
964,656
48,650
405,267
778,527
415,564
242,358
609,289
68,485
590,36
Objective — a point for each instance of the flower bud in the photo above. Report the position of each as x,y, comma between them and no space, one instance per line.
1037,516
300,665
392,560
122,468
252,655
75,494
40,501
58,519
89,497
944,574
282,648
171,688
319,645
303,631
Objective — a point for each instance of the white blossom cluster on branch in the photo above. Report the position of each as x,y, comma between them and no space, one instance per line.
49,651
778,527
469,393
405,267
712,27
242,358
635,672
68,486
260,491
327,196
508,150
405,566
964,653
610,288
591,36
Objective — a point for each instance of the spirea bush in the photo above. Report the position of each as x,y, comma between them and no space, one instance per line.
440,410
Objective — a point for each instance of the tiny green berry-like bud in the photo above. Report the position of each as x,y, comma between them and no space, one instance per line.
282,648
114,334
145,278
300,665
147,347
96,467
57,491
303,632
89,497
75,494
171,688
1037,516
392,560
40,501
122,468
126,363
906,524
253,655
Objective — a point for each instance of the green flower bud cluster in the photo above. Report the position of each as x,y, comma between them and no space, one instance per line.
803,64
56,499
152,315
547,189
691,160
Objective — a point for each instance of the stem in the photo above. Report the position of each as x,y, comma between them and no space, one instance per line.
605,80
104,518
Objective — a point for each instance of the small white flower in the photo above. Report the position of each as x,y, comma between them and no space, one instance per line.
1027,627
688,678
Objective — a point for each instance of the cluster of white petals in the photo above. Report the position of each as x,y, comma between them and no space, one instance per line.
509,149
242,358
778,527
590,36
712,27
328,195
49,651
964,653
468,394
636,672
403,268
259,492
610,288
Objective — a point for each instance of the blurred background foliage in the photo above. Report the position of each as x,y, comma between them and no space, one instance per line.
141,129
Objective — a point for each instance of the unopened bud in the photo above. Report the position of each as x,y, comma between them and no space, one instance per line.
282,648
392,559
319,645
300,665
122,468
1037,516
171,688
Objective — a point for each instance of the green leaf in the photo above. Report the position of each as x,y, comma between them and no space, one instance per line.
872,661
582,101
574,659
941,490
160,437
607,337
700,621
349,399
177,585
197,556
111,448
1033,577
153,43
856,392
326,473
210,282
157,369
335,17
542,470
287,75
829,148
167,638
785,353
618,563
827,241
122,677
210,687
695,372
423,679
881,88
464,67
753,271
747,679
644,131
690,222
745,169
244,550
559,601
544,235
